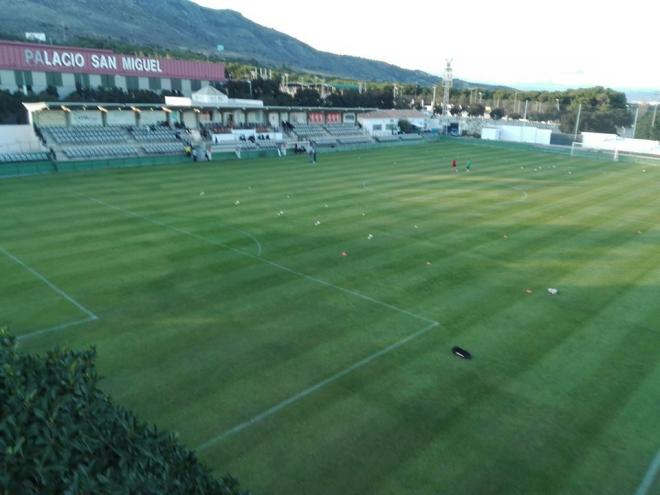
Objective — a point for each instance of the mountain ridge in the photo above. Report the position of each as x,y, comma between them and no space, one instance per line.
182,24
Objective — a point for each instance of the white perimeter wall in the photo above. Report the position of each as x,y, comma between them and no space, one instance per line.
490,134
519,134
613,142
19,139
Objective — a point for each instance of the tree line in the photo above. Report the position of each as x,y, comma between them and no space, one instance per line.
603,109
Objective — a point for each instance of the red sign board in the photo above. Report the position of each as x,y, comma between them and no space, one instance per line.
49,58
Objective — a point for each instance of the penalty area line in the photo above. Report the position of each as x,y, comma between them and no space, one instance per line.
259,258
327,381
56,328
310,390
90,315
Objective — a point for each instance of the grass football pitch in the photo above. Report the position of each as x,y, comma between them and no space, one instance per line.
294,323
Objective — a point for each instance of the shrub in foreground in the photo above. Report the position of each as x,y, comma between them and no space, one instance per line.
60,434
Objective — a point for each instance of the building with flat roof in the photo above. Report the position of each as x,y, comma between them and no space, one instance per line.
35,67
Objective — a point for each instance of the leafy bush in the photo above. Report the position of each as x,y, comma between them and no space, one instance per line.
59,434
406,127
497,113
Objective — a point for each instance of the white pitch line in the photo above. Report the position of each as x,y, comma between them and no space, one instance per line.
649,477
55,328
263,260
331,379
256,241
310,390
66,296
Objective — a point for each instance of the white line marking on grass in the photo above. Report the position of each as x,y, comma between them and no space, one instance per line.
55,328
331,379
263,260
310,390
66,296
246,233
521,199
649,477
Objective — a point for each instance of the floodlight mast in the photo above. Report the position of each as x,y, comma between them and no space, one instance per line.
447,83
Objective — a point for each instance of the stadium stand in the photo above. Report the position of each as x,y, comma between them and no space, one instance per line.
162,148
269,145
100,152
343,130
79,143
307,131
387,139
158,134
247,145
411,137
324,141
355,139
85,135
23,157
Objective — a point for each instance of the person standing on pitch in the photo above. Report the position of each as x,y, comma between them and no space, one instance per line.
312,153
453,166
468,166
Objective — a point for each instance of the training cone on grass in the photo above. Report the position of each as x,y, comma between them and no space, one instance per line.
552,291
528,291
344,254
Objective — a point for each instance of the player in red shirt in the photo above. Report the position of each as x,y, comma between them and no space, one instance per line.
453,166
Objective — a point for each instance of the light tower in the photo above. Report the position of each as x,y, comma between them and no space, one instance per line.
447,84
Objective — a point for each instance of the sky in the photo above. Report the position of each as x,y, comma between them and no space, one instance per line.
527,44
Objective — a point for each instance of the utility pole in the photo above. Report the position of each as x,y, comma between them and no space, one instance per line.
577,122
635,124
525,116
655,111
515,101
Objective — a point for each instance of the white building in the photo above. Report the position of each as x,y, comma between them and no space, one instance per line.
386,122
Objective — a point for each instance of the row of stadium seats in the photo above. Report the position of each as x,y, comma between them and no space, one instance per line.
115,151
306,131
324,141
86,135
164,148
100,152
272,146
344,130
410,137
353,139
388,138
23,157
146,134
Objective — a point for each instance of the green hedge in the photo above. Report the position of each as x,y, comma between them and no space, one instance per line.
59,434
